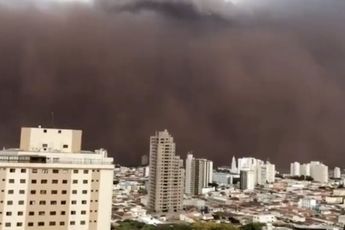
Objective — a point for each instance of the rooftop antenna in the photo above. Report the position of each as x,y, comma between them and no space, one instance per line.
52,119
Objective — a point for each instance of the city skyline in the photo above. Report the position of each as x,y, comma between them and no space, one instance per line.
260,77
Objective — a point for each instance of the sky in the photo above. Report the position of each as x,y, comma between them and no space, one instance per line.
261,78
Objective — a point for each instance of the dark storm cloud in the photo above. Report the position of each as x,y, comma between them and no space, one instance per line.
264,78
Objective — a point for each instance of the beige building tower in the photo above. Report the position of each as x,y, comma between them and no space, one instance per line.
49,183
166,180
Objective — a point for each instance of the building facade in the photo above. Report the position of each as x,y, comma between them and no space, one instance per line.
247,177
49,183
166,179
198,174
295,169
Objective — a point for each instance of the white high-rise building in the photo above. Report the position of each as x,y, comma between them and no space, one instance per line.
198,174
188,179
50,183
319,171
248,163
247,178
305,169
233,165
337,173
266,173
166,179
295,169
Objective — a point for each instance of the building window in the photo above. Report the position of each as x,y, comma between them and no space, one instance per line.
65,146
82,222
86,171
7,224
32,202
44,130
43,181
73,212
53,202
64,192
30,224
84,181
83,201
54,192
33,181
21,191
55,171
20,213
19,224
75,182
72,222
34,170
40,223
52,213
43,192
52,223
74,202
41,213
10,191
33,191
8,213
83,212
54,181
63,213
31,213
42,202
63,202
64,181
23,170
22,181
21,202
62,223
9,202
84,191
11,181
74,191
12,170
75,171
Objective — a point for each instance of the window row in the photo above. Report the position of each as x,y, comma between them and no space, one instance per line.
54,192
41,223
55,171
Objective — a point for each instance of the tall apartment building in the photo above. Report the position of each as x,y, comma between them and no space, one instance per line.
337,173
295,169
319,171
247,177
166,179
198,174
50,183
266,173
305,169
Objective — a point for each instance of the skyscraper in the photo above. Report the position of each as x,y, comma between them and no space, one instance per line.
50,183
166,179
198,174
188,177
